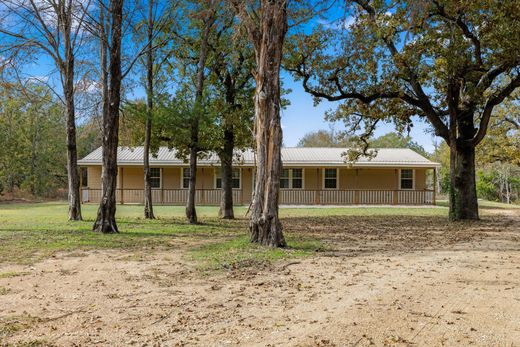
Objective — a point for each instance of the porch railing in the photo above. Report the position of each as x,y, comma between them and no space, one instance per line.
162,196
287,197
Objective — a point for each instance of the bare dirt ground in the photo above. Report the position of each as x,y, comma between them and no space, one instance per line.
411,281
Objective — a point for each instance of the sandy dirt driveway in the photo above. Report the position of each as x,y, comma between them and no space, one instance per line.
382,282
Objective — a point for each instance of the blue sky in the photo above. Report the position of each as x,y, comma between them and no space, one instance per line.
302,117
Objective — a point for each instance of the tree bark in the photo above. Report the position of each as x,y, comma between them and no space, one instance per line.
106,215
67,71
226,163
72,153
268,37
191,212
148,205
463,192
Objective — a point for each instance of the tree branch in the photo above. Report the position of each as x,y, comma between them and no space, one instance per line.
441,11
494,100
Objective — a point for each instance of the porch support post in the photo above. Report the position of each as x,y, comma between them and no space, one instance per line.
81,184
317,197
122,186
434,185
356,197
162,186
395,197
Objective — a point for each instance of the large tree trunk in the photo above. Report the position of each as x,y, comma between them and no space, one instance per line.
226,162
148,206
67,70
463,192
106,215
191,212
72,154
265,226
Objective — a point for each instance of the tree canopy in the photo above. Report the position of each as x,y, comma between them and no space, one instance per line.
449,63
324,138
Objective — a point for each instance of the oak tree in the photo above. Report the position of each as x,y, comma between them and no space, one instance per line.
447,62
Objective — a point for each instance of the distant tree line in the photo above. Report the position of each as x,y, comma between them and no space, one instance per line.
32,132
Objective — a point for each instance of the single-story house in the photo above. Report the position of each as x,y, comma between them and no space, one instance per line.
311,176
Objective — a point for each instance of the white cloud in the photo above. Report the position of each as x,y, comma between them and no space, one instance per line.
340,24
89,87
37,79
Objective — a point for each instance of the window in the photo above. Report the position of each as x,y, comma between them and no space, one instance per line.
330,178
406,179
297,178
235,178
291,179
186,177
284,179
155,177
84,177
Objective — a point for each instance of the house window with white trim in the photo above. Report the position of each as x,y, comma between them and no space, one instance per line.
406,179
330,178
155,177
186,177
291,179
235,178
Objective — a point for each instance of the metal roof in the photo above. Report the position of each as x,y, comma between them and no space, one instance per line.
291,156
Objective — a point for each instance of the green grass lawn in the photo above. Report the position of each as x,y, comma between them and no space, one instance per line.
29,232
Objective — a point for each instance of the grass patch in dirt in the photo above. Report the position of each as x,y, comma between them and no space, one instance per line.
239,252
11,274
14,324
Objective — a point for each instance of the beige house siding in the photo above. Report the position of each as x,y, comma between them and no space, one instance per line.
206,178
348,179
171,178
311,178
247,184
94,177
376,179
131,178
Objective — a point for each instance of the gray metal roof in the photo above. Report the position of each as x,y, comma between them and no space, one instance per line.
291,156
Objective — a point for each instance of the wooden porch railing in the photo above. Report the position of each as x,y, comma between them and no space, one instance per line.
162,196
287,197
356,197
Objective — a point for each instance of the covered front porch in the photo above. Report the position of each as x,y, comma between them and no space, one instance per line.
287,196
